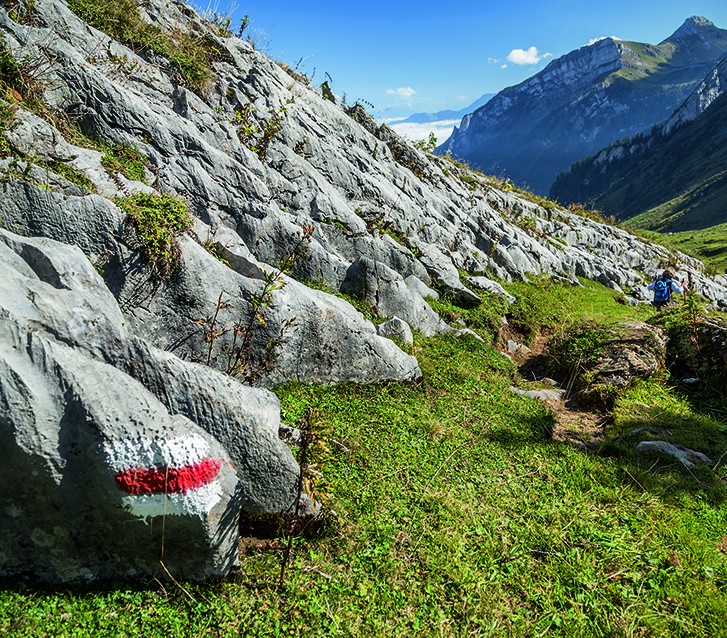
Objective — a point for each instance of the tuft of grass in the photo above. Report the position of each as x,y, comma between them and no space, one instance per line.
125,159
157,220
189,55
68,172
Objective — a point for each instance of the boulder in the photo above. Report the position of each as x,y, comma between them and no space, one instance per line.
442,270
388,293
396,328
419,287
598,361
84,458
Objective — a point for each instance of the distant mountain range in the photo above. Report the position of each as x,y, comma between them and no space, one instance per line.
449,114
584,101
673,178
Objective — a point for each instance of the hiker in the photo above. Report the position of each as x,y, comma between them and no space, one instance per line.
663,287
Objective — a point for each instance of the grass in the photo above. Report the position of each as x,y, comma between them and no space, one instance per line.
125,159
458,515
543,306
189,55
707,244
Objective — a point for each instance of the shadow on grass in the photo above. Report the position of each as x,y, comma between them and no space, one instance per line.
662,474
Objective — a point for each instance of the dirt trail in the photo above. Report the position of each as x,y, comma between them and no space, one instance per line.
572,423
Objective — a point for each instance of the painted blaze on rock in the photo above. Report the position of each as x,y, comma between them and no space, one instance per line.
178,476
167,480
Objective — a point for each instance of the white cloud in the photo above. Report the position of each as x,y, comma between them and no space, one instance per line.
601,37
460,98
529,56
412,131
404,92
503,66
493,60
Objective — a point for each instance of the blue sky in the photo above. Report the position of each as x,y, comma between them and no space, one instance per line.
404,57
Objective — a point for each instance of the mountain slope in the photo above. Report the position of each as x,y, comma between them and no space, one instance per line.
256,215
674,178
583,101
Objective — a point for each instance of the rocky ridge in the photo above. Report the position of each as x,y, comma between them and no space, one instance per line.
390,222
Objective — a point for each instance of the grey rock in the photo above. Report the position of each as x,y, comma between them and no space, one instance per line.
396,328
688,458
32,135
515,348
386,290
441,269
419,287
62,331
490,286
641,293
540,395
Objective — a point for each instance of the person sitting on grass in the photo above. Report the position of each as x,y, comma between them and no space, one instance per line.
663,287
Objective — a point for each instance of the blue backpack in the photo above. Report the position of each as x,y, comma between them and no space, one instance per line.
662,290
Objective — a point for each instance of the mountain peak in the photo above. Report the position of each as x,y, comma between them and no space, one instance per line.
694,26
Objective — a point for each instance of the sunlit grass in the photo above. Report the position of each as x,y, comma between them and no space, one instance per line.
457,515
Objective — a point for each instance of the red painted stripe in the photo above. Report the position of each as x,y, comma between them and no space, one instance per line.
168,480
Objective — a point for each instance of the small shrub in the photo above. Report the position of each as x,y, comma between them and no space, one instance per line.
157,220
248,129
248,352
428,145
21,79
20,11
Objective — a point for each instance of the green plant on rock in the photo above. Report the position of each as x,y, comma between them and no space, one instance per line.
7,113
157,220
125,159
21,80
20,11
258,138
428,145
67,172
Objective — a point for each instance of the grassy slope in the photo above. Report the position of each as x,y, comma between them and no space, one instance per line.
458,515
708,244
